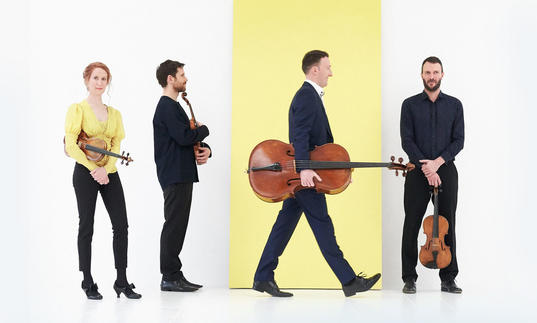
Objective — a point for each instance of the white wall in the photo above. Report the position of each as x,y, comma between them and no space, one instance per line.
55,41
487,50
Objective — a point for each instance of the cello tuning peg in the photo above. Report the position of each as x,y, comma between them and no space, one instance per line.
400,160
392,158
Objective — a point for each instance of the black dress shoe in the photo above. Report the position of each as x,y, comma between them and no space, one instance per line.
127,290
360,284
410,287
450,287
270,287
189,284
175,286
92,291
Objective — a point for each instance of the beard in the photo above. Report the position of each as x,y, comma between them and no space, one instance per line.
180,88
434,88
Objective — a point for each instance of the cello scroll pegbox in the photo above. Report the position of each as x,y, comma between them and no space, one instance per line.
403,173
392,158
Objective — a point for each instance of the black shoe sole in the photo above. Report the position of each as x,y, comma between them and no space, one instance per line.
452,292
95,298
164,289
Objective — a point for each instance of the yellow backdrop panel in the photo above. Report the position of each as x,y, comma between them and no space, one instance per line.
269,40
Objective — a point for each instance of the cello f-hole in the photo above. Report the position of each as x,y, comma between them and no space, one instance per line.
292,179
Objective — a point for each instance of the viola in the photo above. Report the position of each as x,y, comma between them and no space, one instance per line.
193,123
272,169
95,149
435,254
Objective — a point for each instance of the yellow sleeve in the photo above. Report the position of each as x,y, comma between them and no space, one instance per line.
73,126
115,142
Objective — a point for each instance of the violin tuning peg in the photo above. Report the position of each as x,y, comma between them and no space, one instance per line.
400,160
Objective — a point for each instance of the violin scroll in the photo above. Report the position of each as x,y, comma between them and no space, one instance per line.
126,158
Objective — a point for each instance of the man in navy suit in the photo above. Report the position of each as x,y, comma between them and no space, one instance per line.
176,170
308,127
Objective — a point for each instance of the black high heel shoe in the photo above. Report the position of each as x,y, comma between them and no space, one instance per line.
127,290
92,291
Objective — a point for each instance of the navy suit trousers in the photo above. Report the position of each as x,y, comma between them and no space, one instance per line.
313,204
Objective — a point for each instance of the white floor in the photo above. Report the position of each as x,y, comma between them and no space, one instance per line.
242,305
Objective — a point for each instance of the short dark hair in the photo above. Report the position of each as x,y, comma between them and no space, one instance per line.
312,58
168,67
432,60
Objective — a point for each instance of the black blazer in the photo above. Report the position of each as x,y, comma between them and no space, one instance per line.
308,123
174,142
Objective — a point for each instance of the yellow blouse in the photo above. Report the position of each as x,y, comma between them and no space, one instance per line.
80,116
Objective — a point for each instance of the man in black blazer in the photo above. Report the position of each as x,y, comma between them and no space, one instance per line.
176,170
308,127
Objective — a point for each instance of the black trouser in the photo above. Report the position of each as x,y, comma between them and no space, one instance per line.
86,189
177,200
417,196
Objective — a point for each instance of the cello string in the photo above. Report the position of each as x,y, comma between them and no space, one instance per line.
328,164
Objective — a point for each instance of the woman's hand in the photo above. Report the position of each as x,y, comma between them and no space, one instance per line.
100,175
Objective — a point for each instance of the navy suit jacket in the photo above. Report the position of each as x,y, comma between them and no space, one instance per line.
308,123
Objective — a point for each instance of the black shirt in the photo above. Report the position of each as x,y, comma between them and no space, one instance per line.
432,129
174,142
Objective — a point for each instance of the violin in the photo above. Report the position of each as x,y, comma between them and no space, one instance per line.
95,149
193,123
272,169
434,254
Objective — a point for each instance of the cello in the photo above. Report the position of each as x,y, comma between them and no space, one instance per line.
435,254
273,175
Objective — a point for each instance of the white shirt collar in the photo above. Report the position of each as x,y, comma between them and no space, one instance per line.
317,88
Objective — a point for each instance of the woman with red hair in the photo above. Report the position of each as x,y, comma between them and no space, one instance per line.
91,177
